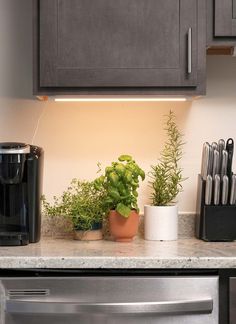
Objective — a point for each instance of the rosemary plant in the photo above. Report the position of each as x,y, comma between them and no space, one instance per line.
166,176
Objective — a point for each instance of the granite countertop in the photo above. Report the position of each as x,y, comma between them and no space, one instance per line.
68,253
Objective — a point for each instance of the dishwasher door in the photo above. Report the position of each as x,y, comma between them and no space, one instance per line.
109,300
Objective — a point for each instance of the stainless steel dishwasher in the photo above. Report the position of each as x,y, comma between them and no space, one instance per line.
109,300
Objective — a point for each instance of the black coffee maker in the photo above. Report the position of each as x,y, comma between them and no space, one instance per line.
20,193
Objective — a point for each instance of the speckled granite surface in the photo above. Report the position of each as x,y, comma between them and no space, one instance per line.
67,253
58,250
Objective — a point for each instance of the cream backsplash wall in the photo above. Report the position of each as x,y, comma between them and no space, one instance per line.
75,136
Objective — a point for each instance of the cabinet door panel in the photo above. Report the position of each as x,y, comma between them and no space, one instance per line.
234,9
112,35
225,18
117,43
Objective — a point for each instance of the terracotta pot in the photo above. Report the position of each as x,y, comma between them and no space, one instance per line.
121,228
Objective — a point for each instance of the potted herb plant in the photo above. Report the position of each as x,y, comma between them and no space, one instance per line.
83,205
121,181
161,218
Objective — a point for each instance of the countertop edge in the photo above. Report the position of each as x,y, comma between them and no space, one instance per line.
117,263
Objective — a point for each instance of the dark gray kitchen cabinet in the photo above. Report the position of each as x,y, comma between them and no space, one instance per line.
119,47
225,18
221,23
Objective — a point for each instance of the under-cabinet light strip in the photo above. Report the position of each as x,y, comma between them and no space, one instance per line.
117,99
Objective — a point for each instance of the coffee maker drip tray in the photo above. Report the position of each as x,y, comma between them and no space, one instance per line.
14,238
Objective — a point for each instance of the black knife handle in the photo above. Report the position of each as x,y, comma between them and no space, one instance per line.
230,150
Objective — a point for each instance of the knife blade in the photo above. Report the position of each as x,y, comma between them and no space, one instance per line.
215,168
221,147
205,160
210,160
225,190
217,189
232,200
224,163
208,191
230,150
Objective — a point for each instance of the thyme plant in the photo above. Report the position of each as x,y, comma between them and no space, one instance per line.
82,203
166,176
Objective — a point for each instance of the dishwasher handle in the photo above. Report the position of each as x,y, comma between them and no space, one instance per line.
195,306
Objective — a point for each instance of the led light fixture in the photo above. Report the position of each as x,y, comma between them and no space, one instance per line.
119,99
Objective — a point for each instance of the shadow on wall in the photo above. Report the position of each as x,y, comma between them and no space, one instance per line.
16,48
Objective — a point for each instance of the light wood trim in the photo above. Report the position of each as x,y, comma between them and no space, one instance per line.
42,98
220,50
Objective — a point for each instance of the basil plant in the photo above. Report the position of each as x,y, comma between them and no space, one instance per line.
121,181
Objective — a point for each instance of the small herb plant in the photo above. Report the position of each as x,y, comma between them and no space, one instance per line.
121,181
166,176
82,203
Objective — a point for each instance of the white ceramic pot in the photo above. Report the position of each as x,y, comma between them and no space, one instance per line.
161,223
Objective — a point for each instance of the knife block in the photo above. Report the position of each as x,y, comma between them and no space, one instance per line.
214,223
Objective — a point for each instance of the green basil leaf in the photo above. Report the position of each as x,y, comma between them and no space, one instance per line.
113,192
142,174
128,176
120,169
125,157
123,210
114,178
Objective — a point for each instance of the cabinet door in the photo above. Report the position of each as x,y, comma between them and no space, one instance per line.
225,18
117,43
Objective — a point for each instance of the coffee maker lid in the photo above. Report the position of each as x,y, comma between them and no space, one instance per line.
14,148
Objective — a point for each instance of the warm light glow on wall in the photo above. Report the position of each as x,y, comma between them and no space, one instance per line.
118,99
